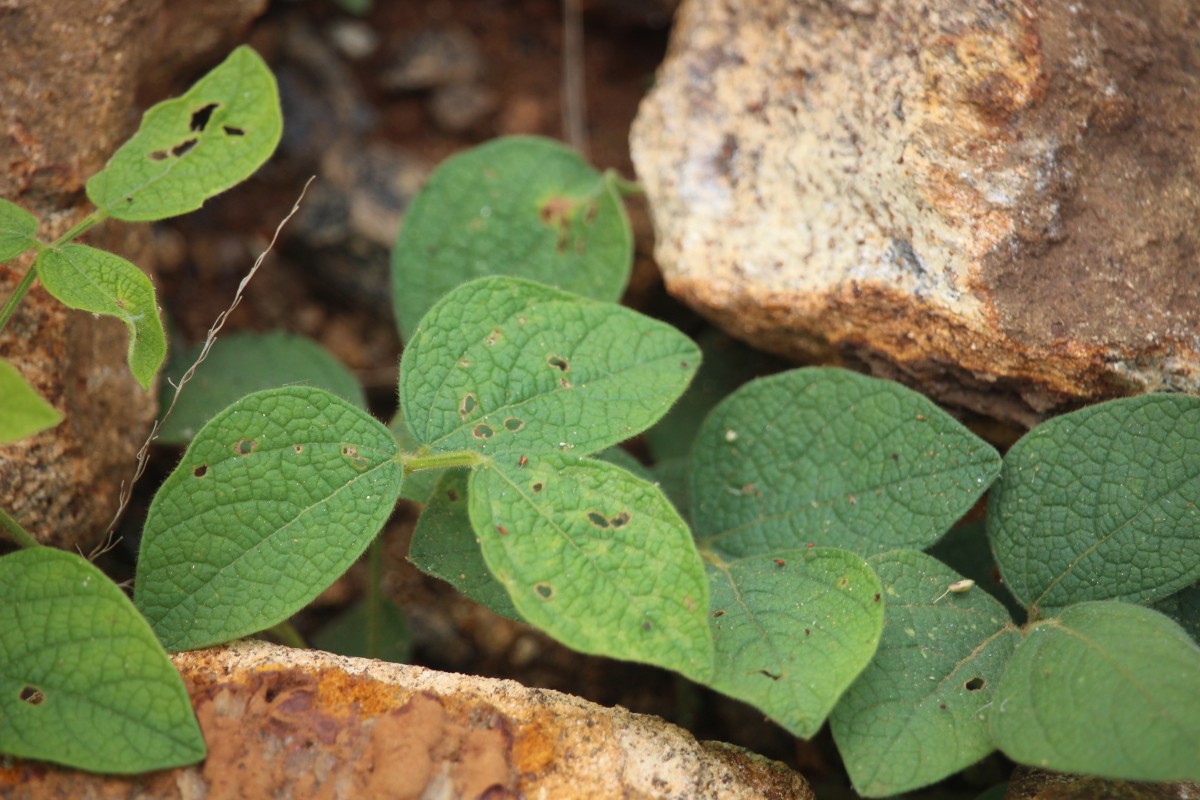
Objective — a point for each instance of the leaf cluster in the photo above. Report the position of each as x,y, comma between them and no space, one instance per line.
805,583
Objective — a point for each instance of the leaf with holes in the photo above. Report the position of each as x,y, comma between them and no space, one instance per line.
275,498
1100,504
83,681
24,412
520,206
595,557
445,546
18,230
94,280
195,146
241,363
1104,688
792,630
508,367
829,457
917,713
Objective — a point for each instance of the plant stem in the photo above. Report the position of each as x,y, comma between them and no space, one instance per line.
287,633
623,185
18,294
83,226
18,534
413,462
375,597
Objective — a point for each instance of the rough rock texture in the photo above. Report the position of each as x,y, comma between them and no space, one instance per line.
305,724
994,201
69,82
1032,784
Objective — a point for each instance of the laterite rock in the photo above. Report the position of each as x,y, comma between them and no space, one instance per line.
994,202
305,724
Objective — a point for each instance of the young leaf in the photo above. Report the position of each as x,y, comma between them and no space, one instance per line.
444,546
1100,504
241,363
508,367
83,682
350,634
792,630
276,496
1107,689
24,412
195,146
95,280
917,713
596,558
829,457
18,230
520,206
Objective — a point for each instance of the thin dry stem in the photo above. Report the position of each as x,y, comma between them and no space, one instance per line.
209,340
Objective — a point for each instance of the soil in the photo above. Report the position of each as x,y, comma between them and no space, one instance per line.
205,255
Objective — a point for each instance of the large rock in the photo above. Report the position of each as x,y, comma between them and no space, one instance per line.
994,201
69,88
305,724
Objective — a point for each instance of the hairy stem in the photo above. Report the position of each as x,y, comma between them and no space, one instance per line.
18,533
413,462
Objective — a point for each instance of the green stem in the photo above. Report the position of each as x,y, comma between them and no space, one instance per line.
375,598
18,534
83,226
623,185
287,633
413,462
17,296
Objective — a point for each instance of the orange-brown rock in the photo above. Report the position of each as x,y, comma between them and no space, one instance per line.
69,85
995,202
304,724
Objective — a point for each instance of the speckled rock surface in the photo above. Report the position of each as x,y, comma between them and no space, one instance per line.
305,724
995,202
69,86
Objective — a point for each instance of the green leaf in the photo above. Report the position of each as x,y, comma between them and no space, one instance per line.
1184,608
276,496
727,364
195,146
1100,504
24,412
444,545
508,367
792,630
966,550
83,682
1105,688
241,363
349,634
829,457
18,230
918,712
95,280
595,557
521,206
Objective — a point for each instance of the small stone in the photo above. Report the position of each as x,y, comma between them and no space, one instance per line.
354,38
432,58
461,106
